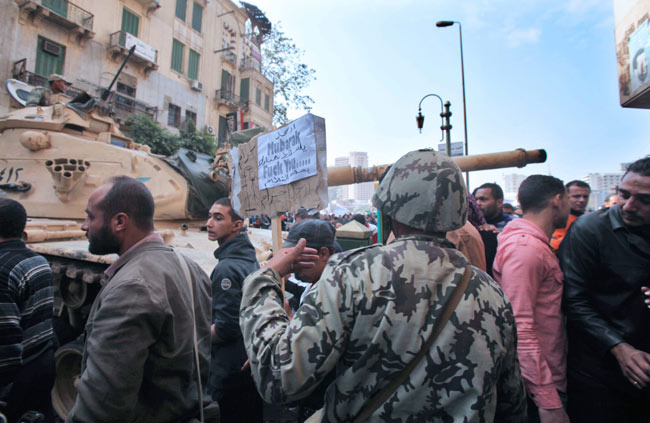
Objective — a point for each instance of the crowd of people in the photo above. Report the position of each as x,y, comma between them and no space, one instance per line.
288,219
463,311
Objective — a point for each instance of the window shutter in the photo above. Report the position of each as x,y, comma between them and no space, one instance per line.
181,8
193,65
244,88
197,17
130,22
177,56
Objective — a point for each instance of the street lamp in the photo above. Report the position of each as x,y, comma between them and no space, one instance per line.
443,24
443,114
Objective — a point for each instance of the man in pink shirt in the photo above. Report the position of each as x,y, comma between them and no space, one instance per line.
530,275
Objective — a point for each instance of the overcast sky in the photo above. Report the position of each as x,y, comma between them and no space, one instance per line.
538,74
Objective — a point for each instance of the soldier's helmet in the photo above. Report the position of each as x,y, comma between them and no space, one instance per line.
424,190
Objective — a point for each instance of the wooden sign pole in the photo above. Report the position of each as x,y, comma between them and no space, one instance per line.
276,239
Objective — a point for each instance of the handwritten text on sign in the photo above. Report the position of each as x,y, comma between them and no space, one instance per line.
288,154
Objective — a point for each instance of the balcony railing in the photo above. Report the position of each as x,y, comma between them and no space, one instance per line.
121,41
21,73
69,14
250,63
229,56
229,98
125,106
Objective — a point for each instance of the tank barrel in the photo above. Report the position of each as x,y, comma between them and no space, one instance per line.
345,175
37,235
107,91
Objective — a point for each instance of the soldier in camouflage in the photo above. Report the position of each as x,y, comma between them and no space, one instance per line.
42,96
373,309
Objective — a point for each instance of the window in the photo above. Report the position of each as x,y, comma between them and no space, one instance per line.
258,96
177,56
130,22
246,125
227,84
266,102
174,116
59,7
49,57
181,7
121,101
243,89
193,65
190,115
125,89
223,130
197,17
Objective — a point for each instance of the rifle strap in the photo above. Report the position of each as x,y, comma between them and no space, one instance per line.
382,396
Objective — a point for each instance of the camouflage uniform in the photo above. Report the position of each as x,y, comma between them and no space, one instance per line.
374,307
40,96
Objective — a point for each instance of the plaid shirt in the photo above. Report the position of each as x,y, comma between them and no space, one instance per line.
26,304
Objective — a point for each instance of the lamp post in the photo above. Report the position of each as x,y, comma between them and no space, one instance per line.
443,24
420,120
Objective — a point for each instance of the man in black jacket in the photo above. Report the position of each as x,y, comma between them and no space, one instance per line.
605,257
228,384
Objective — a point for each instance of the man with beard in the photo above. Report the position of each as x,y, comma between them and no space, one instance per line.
530,275
139,358
229,384
578,192
606,261
489,197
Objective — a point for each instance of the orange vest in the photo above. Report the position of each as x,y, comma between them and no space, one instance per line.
558,235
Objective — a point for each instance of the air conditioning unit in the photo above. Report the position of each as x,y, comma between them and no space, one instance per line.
210,129
196,85
52,48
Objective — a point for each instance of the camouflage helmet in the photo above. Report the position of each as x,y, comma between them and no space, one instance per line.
424,190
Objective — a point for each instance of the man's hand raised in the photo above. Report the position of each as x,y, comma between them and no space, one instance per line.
288,260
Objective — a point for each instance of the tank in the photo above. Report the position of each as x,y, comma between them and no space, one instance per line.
52,158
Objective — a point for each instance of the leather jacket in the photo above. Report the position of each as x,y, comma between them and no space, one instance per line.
605,264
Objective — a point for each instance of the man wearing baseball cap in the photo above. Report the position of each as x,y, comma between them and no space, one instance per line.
319,235
42,96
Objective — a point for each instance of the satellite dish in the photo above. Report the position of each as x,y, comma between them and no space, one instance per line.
18,90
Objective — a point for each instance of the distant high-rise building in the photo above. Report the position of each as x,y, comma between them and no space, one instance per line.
512,182
602,184
361,192
343,191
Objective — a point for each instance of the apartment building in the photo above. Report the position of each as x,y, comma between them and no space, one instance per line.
602,185
194,59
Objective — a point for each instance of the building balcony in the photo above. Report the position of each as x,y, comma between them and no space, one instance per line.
144,54
230,100
250,63
21,73
125,106
229,56
150,5
61,12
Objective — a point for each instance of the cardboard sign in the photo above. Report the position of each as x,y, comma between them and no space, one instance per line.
310,191
287,154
